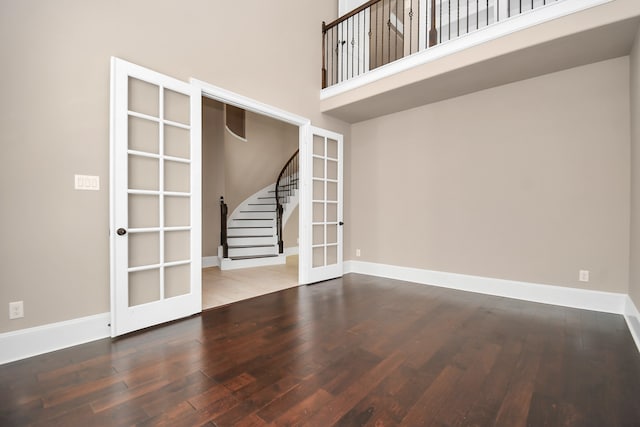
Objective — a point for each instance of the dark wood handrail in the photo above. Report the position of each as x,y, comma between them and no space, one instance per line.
279,207
348,15
337,61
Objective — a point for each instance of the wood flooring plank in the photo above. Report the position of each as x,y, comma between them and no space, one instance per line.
347,398
434,399
358,350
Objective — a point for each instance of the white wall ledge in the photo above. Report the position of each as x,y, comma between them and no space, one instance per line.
494,31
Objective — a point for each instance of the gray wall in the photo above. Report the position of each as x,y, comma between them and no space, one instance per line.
54,119
528,181
213,174
634,264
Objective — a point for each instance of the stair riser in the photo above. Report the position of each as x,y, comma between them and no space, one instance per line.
270,207
228,264
272,250
244,241
253,223
256,215
249,231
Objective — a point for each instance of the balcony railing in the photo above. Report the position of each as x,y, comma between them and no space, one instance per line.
383,31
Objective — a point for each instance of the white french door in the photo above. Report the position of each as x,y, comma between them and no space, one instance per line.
155,198
321,220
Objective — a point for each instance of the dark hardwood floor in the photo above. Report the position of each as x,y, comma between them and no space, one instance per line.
348,352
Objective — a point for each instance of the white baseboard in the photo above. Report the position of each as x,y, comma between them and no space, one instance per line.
294,250
210,261
29,342
632,316
607,302
229,264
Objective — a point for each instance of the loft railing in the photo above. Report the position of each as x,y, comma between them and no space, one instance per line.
286,184
383,31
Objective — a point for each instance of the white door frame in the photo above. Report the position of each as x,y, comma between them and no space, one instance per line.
227,97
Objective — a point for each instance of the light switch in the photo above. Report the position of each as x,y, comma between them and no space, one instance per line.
87,182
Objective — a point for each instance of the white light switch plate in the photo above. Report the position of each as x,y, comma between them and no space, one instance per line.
87,182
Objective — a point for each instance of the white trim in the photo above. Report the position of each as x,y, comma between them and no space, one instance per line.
236,264
228,97
483,35
304,124
632,316
607,302
235,135
17,345
210,261
30,342
294,250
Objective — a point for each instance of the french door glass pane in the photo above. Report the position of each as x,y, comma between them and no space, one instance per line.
143,173
176,176
143,135
318,257
143,97
143,286
176,211
176,142
144,211
143,249
176,107
177,280
176,246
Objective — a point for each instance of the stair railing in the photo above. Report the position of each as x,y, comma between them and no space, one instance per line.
286,184
383,31
223,228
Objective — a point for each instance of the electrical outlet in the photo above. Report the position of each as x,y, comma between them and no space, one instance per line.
357,252
16,310
583,275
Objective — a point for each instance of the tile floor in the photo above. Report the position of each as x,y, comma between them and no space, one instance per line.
224,287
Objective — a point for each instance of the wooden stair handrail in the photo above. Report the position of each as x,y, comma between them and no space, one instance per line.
279,207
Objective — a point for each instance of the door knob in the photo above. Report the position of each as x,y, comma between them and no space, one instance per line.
121,232
341,223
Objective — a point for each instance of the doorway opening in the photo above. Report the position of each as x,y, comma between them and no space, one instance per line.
241,172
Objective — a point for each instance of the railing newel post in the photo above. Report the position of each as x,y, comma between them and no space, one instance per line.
223,228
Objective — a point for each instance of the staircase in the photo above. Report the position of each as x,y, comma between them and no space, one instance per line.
252,235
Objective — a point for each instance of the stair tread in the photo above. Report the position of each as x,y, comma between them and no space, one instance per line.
248,237
255,211
253,256
228,228
250,246
253,219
